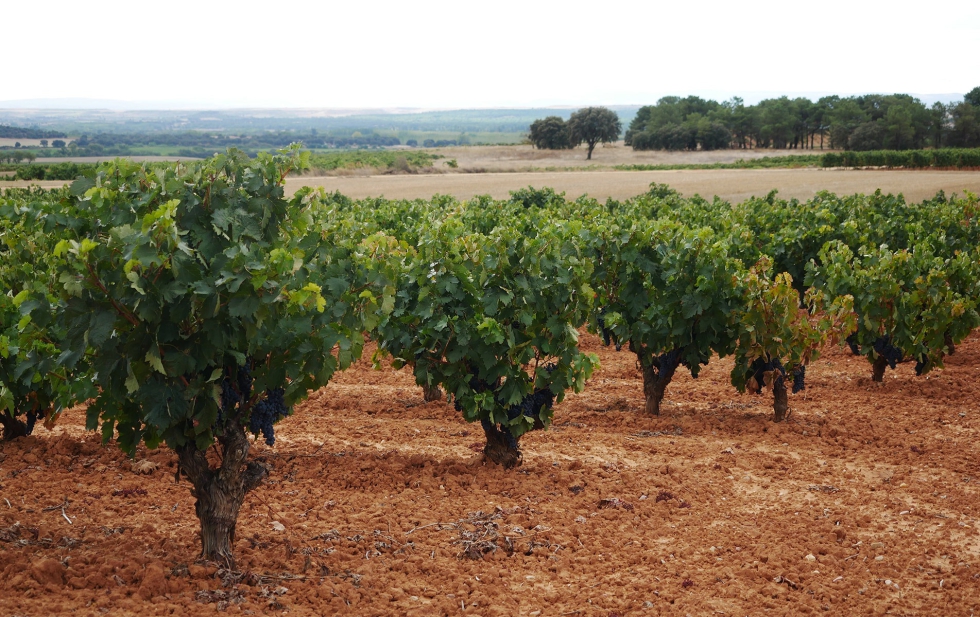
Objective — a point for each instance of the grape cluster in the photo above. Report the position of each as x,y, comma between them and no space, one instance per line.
893,355
608,336
853,344
671,358
799,374
267,412
760,367
234,390
922,364
32,417
532,404
477,385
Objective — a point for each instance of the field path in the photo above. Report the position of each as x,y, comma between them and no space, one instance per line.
733,185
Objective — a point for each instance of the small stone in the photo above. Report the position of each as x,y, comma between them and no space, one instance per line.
810,558
879,558
877,545
278,526
144,467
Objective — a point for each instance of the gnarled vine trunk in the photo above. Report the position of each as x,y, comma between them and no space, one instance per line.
950,346
12,427
780,402
431,393
220,492
501,446
657,373
878,369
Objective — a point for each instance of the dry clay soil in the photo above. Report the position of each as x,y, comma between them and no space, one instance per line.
864,502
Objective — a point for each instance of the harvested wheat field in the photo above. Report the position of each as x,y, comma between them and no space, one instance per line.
733,185
529,158
864,502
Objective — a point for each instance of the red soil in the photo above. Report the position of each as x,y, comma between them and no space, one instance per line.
864,502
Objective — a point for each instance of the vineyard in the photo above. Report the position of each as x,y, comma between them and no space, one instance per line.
193,324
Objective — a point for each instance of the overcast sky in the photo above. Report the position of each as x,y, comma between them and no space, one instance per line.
454,54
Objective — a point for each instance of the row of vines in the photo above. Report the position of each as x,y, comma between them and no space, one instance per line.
192,306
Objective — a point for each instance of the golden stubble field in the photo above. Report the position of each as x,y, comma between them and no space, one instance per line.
730,184
606,156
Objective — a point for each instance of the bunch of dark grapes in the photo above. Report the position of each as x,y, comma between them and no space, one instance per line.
799,374
532,405
671,358
608,336
760,367
922,364
32,417
267,412
853,344
477,385
234,390
893,355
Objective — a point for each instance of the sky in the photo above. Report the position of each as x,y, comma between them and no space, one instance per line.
436,54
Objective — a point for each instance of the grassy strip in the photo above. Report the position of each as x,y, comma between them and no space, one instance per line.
403,160
54,171
914,159
766,162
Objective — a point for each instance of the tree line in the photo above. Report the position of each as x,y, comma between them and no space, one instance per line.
859,123
866,122
19,132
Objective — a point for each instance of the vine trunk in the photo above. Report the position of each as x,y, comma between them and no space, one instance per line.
221,491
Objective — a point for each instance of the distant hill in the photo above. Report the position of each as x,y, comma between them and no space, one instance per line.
237,121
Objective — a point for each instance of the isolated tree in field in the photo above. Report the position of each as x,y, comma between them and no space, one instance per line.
193,293
550,133
594,125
